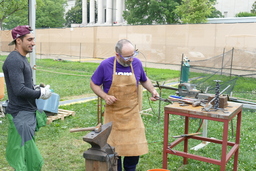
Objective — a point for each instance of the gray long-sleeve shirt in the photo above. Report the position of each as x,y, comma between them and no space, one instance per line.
19,83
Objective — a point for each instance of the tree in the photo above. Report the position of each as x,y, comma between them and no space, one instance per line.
151,11
9,7
194,11
74,15
253,8
215,14
18,18
51,14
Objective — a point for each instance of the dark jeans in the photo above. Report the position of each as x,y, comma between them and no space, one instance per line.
129,163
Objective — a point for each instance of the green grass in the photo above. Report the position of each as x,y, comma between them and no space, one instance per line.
63,150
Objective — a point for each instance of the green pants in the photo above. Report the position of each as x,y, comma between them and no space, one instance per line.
21,151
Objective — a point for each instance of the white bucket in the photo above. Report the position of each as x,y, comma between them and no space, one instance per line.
1,86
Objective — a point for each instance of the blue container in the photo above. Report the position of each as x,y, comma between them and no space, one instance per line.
49,105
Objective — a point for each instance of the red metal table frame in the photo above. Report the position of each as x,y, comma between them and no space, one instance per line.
233,109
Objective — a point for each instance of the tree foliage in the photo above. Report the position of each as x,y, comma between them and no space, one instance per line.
74,15
245,14
10,7
215,14
49,13
253,8
248,14
151,11
194,11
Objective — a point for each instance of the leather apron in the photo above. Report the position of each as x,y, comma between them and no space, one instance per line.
128,131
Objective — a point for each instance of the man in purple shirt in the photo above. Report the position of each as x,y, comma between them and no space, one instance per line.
120,75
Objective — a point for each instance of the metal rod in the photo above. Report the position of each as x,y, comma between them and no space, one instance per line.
99,110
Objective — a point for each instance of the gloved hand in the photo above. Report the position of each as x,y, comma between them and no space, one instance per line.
45,92
37,87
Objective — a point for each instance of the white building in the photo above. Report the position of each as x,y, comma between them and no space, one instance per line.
229,8
110,11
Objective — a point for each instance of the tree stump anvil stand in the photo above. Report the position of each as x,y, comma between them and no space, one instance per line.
101,156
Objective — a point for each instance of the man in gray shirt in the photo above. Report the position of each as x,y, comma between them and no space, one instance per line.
21,151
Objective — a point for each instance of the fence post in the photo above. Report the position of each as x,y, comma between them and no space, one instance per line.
80,52
232,56
222,60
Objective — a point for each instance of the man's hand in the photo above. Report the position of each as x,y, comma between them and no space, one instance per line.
155,96
45,92
37,87
109,99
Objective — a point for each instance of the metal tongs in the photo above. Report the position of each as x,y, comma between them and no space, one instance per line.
164,100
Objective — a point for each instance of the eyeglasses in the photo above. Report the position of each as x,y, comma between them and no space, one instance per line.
126,58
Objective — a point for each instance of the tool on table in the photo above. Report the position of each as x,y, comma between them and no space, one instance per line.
187,135
217,94
95,129
188,90
164,100
182,99
197,103
209,105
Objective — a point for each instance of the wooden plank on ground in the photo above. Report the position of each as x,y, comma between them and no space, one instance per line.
60,115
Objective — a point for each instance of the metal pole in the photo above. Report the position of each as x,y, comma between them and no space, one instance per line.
32,24
80,53
112,13
40,50
181,81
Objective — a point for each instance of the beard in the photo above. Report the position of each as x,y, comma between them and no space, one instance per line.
124,64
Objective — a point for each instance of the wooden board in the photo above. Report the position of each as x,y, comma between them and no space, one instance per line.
1,112
60,115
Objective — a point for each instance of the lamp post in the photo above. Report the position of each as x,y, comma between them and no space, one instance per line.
32,24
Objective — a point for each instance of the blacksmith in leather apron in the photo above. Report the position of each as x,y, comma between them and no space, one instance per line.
128,131
120,93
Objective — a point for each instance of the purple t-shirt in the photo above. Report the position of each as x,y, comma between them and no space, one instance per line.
104,73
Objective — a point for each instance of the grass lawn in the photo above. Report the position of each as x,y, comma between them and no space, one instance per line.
63,151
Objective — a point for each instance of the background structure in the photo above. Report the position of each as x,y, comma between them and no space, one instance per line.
157,43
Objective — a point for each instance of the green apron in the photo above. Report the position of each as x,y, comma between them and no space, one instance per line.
21,151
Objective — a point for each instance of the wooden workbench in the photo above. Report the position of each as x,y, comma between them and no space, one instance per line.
231,111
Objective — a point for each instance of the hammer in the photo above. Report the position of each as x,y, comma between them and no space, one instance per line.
96,129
